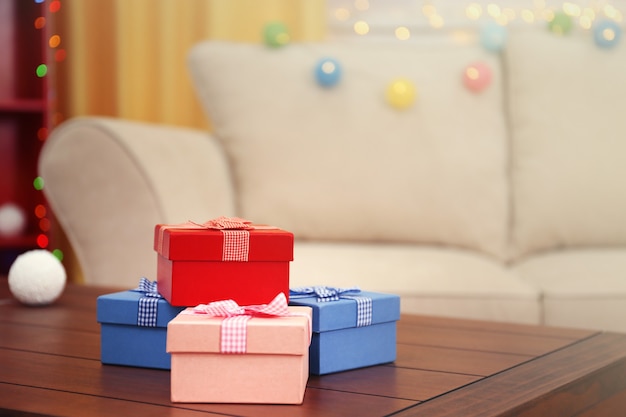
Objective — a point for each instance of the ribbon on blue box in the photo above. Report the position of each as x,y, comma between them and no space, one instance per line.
148,304
329,294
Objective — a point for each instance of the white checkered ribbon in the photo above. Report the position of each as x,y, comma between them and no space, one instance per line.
236,245
148,304
329,294
233,331
236,242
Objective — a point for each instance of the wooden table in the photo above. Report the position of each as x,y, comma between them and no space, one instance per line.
49,363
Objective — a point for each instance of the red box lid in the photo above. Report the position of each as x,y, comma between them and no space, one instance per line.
201,244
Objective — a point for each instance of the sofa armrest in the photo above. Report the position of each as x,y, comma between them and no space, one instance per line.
109,182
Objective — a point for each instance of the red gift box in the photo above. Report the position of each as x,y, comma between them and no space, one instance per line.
198,264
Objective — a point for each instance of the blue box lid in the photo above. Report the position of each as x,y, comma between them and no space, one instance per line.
122,308
342,314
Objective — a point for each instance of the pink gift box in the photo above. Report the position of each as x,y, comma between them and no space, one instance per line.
274,369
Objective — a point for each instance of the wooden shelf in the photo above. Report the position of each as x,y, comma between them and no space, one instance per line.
18,242
23,105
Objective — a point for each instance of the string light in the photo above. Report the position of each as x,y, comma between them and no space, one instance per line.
402,33
55,6
438,16
58,253
59,55
54,41
361,27
342,14
42,133
474,11
44,225
40,22
40,211
42,241
38,183
42,70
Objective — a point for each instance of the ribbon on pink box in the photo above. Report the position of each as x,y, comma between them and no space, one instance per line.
236,233
233,330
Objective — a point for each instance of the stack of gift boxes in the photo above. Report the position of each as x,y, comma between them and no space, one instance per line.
222,306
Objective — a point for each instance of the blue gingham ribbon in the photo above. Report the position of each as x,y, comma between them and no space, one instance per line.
148,304
326,294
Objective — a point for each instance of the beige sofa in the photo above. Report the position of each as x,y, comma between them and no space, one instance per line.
508,204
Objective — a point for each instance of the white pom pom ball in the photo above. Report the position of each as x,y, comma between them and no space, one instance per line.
37,277
12,220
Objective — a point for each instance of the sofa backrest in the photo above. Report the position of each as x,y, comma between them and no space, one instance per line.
341,163
566,101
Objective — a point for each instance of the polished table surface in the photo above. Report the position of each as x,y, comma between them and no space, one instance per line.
50,364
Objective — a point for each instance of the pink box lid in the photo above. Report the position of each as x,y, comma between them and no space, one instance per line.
198,333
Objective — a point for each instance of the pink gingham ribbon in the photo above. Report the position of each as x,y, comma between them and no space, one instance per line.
236,242
233,331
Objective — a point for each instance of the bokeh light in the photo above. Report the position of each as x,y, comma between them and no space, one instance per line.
401,93
54,41
40,211
55,6
477,76
361,27
402,33
42,133
561,24
328,72
60,55
606,34
44,225
474,11
275,34
42,70
42,241
58,253
38,183
40,22
493,37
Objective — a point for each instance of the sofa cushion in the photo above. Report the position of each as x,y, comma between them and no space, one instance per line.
434,281
340,163
581,288
568,149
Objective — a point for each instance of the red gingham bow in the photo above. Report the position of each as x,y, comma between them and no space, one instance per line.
233,331
227,223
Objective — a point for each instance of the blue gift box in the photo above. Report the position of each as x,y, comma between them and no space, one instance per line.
123,341
339,342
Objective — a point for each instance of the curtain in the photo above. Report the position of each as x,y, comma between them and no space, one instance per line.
128,58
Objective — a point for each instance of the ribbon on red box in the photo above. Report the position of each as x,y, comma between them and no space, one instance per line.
327,294
233,330
236,242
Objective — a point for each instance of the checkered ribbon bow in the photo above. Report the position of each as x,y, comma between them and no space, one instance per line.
236,237
327,294
235,231
233,331
148,304
227,223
